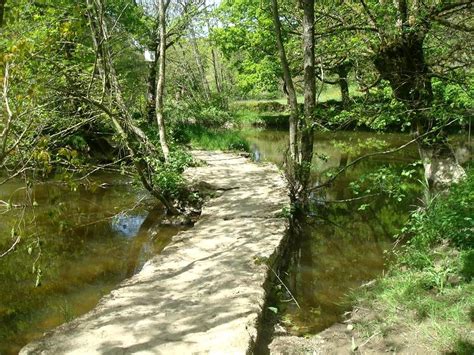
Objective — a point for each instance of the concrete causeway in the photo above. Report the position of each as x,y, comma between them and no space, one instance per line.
205,292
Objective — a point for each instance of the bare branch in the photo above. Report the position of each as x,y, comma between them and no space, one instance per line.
11,248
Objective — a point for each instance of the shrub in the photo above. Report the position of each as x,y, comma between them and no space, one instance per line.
168,177
207,113
467,265
450,218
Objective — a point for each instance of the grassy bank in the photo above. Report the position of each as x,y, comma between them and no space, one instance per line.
274,113
427,297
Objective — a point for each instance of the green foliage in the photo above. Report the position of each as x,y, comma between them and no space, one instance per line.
378,111
449,219
207,113
53,61
388,181
467,264
429,287
452,101
353,147
212,138
463,347
168,177
246,38
260,106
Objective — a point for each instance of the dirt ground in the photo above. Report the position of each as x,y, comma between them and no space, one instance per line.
345,338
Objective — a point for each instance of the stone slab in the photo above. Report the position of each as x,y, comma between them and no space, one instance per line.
205,292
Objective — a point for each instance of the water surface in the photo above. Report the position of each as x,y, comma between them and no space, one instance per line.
343,243
75,247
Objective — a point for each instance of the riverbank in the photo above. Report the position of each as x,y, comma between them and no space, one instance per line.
424,303
205,292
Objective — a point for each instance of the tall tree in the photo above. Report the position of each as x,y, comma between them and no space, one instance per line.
301,125
160,87
289,85
409,44
307,134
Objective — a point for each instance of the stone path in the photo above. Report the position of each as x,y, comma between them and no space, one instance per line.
205,292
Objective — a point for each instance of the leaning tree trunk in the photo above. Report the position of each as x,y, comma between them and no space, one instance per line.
160,88
290,88
403,65
136,142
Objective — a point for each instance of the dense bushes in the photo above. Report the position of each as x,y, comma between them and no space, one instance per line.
204,124
168,177
377,110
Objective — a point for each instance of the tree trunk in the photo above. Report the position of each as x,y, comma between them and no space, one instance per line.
133,138
342,72
160,87
307,131
214,60
2,11
216,75
151,95
151,80
290,89
199,63
403,65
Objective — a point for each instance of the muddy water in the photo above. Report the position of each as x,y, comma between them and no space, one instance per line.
75,247
343,243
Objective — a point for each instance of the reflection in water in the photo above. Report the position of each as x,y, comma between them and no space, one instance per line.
81,243
256,156
342,243
127,225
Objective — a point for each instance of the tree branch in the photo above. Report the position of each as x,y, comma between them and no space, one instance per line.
386,152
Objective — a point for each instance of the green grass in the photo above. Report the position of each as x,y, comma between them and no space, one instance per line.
215,139
246,116
429,290
438,319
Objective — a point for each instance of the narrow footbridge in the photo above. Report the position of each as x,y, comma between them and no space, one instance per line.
205,292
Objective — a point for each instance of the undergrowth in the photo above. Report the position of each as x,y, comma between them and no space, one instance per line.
429,291
210,138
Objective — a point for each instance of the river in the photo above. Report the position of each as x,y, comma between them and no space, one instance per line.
78,244
345,244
